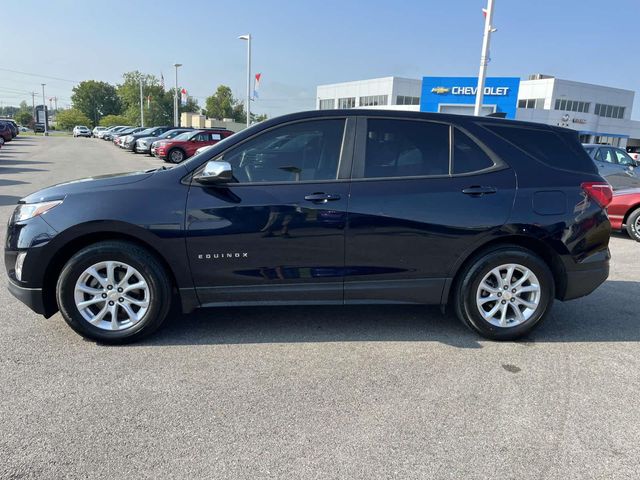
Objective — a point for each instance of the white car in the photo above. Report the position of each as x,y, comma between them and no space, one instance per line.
203,149
96,131
81,131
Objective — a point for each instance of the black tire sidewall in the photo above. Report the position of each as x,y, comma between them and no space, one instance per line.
137,257
632,229
170,155
467,288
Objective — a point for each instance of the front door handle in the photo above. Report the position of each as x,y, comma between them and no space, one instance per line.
320,197
477,191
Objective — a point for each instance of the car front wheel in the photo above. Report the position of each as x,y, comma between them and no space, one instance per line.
113,292
176,155
504,293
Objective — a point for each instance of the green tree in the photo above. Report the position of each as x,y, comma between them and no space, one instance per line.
113,120
96,99
67,119
157,103
221,104
24,115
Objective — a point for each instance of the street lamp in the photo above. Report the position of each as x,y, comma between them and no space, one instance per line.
44,107
176,120
247,37
484,57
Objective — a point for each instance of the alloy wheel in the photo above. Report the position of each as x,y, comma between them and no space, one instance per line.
112,295
508,295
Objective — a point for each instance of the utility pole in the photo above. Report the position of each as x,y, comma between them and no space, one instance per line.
484,57
33,104
141,104
55,100
44,105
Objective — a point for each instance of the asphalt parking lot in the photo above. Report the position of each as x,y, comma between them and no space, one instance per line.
322,392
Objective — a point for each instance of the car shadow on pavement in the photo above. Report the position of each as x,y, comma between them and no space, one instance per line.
13,170
11,161
7,183
607,315
8,200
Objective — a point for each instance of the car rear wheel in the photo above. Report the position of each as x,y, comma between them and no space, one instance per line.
633,224
113,292
176,155
504,293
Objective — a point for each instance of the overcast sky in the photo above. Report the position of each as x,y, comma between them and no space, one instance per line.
300,44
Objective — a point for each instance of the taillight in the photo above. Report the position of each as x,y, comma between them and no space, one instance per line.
599,191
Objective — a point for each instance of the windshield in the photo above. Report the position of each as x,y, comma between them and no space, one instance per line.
147,131
183,136
171,133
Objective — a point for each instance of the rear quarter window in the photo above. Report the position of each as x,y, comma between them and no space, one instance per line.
555,149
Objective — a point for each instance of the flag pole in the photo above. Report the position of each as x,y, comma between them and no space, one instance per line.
484,57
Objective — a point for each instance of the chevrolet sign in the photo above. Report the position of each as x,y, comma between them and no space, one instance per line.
440,90
501,91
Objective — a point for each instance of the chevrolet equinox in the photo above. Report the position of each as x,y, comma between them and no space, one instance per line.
496,218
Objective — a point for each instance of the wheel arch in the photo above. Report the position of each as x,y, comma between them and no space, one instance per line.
630,210
70,247
533,244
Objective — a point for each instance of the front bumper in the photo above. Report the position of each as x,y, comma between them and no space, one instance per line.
31,297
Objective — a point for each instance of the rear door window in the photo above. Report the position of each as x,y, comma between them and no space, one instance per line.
406,148
468,156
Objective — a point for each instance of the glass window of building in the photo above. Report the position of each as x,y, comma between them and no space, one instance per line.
373,100
327,104
407,100
347,102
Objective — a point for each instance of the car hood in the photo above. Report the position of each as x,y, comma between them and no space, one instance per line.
626,191
56,192
148,139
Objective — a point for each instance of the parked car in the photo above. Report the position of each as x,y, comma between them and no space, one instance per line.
96,131
5,131
129,142
624,212
634,153
38,128
109,134
22,128
185,145
144,144
108,130
615,165
15,129
496,218
118,137
81,131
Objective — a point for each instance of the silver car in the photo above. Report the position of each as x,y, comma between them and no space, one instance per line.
143,145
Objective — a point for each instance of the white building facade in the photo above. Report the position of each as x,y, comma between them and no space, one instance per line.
598,113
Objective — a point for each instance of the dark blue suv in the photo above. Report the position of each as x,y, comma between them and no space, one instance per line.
496,218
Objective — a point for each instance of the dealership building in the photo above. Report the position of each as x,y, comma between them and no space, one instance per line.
598,113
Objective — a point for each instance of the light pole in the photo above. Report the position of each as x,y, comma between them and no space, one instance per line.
484,57
44,106
176,119
247,37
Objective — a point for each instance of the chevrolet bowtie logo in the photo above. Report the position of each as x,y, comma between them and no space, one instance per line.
440,90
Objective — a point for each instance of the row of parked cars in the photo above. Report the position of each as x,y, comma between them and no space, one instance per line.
171,144
9,130
620,169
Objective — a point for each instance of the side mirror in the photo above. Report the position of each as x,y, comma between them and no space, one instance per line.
215,171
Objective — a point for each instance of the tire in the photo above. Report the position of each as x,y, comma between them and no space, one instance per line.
633,224
470,298
176,155
145,270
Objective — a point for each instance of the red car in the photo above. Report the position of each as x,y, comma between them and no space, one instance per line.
624,211
185,145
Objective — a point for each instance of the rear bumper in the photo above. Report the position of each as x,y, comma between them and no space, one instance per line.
31,297
588,276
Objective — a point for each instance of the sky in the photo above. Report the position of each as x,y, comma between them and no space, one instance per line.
298,45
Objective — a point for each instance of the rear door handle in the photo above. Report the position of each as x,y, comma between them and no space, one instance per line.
320,197
477,190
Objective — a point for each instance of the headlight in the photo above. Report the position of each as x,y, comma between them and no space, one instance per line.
26,211
18,267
